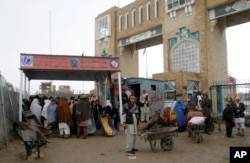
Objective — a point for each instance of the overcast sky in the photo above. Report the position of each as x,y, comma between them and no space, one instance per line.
25,28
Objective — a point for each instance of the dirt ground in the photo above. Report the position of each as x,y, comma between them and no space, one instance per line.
99,148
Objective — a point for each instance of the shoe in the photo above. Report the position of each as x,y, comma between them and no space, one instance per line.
130,153
78,136
135,150
238,134
84,137
241,134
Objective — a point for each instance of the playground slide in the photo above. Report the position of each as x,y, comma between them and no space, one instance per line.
107,125
92,126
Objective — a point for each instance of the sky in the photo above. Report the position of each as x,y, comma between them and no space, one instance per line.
66,27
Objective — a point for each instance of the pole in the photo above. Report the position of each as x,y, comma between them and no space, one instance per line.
120,97
20,96
50,33
146,64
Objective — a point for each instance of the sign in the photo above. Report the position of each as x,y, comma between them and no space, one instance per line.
157,31
229,9
62,62
239,154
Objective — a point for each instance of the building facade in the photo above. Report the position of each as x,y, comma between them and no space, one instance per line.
192,33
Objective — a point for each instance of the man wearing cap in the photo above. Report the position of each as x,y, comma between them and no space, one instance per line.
239,116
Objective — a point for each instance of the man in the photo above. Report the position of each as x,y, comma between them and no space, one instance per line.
207,110
64,117
36,108
144,100
239,116
130,125
83,113
227,116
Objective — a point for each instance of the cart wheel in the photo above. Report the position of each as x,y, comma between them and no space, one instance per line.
153,145
167,144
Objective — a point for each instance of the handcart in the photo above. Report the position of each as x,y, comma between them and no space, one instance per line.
163,134
33,140
194,131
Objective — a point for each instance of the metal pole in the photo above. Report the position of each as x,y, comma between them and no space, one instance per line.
20,96
146,64
3,112
11,100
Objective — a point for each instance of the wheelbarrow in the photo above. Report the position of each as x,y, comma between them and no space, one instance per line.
163,134
33,140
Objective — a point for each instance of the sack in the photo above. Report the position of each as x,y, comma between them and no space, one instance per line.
197,120
129,118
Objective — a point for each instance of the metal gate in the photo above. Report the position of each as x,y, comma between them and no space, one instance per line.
221,92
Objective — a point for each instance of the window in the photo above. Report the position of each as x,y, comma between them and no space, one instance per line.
148,11
170,90
126,20
120,23
156,8
171,4
133,17
140,15
186,57
192,86
102,27
153,87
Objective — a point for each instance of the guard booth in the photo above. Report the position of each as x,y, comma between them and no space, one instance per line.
161,93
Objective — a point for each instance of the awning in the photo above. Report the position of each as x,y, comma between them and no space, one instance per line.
63,67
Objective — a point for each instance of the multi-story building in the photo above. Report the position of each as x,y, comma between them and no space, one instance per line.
192,33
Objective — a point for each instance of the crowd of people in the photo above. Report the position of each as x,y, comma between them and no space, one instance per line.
68,116
72,116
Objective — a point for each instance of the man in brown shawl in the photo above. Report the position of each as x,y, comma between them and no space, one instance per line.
64,117
83,113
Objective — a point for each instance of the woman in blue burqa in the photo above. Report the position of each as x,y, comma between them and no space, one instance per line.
180,110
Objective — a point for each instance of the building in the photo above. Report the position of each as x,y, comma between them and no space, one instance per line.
192,33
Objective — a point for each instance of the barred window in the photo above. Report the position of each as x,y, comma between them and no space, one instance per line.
133,18
186,57
140,15
126,20
120,23
156,8
171,4
148,11
102,27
